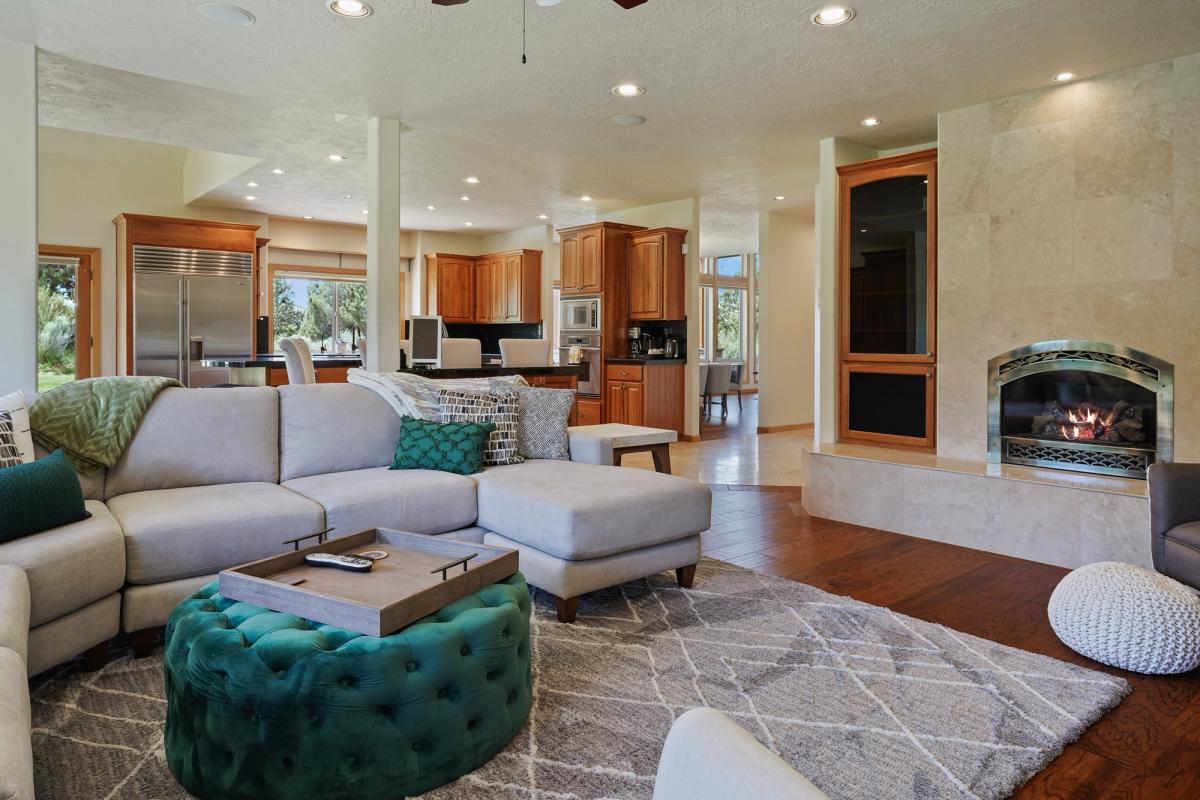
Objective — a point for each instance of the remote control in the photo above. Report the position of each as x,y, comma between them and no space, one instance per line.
352,563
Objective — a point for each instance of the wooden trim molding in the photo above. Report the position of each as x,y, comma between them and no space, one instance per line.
689,437
87,314
800,426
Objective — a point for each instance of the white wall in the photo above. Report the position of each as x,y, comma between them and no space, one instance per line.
787,290
679,214
18,216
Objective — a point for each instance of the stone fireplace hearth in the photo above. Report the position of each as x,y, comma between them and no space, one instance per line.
1082,406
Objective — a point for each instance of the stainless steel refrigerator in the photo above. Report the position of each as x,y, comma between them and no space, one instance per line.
190,305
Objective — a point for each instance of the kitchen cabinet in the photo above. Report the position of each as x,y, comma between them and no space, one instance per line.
657,278
649,393
588,411
594,258
450,286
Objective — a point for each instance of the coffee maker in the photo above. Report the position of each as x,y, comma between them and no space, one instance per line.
636,347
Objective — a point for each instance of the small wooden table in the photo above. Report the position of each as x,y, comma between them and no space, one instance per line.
636,439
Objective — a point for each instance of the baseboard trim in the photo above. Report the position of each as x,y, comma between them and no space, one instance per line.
688,437
801,426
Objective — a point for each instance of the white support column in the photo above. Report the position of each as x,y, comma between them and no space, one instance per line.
385,309
786,288
18,216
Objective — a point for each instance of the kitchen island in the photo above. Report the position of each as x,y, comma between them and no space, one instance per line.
270,369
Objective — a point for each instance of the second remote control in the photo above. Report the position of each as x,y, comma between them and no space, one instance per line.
351,563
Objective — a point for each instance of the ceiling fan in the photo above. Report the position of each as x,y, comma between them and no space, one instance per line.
622,3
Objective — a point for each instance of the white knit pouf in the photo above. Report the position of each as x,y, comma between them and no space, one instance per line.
1128,617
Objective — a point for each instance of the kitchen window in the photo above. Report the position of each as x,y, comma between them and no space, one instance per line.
728,324
326,309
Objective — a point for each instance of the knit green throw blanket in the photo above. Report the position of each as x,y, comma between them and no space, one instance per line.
93,420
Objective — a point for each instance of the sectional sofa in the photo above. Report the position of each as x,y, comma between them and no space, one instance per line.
218,477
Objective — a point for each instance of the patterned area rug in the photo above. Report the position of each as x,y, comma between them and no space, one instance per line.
867,703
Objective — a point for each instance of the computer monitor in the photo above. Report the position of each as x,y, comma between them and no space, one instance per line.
427,340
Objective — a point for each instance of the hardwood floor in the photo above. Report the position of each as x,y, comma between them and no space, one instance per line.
740,421
1148,748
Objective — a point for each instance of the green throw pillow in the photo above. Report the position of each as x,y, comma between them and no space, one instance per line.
38,496
445,446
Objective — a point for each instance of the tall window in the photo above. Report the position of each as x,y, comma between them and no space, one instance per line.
63,319
728,325
330,313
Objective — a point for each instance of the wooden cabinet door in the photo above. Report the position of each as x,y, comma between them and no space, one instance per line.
483,284
635,406
591,265
646,277
512,288
456,290
587,408
615,401
496,290
569,260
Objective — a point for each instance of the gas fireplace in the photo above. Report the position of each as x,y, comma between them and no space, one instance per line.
1081,406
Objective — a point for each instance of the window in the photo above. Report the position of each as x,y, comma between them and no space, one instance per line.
729,267
330,313
726,327
731,318
63,319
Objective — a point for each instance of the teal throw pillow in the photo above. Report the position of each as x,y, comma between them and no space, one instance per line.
456,447
38,496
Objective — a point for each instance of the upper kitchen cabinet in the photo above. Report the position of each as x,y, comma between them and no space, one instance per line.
591,255
508,287
450,286
656,274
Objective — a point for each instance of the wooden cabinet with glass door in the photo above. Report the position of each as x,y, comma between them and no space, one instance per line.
887,263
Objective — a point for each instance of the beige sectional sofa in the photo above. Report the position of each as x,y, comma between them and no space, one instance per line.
218,477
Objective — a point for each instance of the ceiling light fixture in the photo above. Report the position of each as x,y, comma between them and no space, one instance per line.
336,157
308,216
464,198
629,120
277,171
469,224
347,197
1063,77
350,8
365,211
587,198
227,14
471,179
870,122
780,197
431,208
628,90
542,216
251,184
833,15
251,197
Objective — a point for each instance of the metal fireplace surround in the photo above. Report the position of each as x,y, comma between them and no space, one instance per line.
1139,368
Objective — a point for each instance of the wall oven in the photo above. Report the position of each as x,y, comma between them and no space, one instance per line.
589,353
580,314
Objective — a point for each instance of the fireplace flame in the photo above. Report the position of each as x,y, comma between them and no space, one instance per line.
1086,423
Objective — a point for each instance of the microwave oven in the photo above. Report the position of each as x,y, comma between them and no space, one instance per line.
580,314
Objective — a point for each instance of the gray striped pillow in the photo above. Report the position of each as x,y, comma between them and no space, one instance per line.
10,451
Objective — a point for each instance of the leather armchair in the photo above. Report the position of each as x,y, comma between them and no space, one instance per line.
1175,521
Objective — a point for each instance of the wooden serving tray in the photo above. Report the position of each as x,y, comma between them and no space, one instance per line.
399,589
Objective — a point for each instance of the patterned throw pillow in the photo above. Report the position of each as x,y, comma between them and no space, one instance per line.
39,495
543,415
500,409
18,410
447,447
10,451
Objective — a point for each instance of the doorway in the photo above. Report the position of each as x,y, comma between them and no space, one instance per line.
66,315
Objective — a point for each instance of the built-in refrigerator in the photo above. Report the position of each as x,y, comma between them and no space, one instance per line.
190,305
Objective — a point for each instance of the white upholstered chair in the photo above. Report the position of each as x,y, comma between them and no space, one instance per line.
708,756
299,360
459,353
525,352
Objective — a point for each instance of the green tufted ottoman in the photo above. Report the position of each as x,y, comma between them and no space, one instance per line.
266,705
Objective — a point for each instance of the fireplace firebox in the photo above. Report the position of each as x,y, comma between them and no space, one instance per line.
1082,406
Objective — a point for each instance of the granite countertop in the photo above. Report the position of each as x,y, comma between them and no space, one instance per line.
580,370
277,361
648,360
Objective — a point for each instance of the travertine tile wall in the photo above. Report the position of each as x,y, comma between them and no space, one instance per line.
1071,212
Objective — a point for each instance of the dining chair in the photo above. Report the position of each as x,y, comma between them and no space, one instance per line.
703,384
735,382
362,352
524,352
299,360
462,353
718,384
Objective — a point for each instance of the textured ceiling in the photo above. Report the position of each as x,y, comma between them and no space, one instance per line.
739,92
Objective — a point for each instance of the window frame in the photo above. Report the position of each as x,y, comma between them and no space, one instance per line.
87,304
299,271
747,283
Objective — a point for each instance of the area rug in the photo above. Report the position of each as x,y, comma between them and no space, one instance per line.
869,704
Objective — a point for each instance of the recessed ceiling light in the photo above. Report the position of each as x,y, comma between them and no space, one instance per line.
1063,77
470,179
870,122
542,216
628,90
277,171
833,15
350,8
629,120
780,197
862,230
336,157
464,198
227,14
308,216
469,224
347,197
431,208
587,198
545,3
365,211
251,197
251,184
